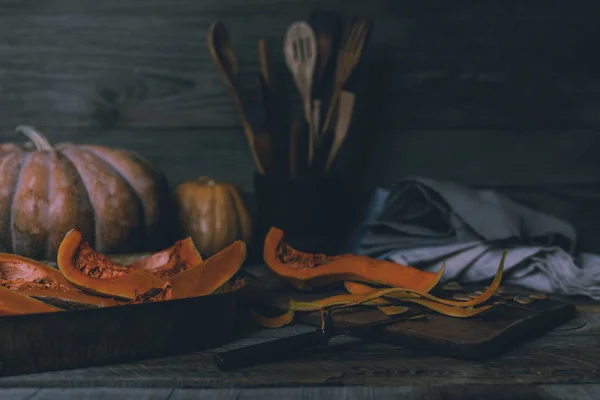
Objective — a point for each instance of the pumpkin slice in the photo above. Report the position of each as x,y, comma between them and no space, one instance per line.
302,269
42,282
182,256
96,273
216,271
12,303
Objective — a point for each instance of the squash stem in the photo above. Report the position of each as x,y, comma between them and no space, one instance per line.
39,141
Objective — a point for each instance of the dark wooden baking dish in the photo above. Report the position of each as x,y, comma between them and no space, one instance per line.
82,338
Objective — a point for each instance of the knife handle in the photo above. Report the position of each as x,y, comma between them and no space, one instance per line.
272,350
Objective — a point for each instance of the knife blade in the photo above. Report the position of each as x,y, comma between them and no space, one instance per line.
292,346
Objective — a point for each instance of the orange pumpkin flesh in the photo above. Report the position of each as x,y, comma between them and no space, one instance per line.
12,303
302,269
86,268
32,278
181,256
216,271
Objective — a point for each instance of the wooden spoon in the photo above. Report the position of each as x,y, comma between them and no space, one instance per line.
223,56
300,49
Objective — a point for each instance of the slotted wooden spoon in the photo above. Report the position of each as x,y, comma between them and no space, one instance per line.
300,50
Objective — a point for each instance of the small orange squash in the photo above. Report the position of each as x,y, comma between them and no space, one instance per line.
213,214
214,273
303,269
32,278
88,269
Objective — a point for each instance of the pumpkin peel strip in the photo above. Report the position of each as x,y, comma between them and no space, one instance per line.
404,294
273,322
391,310
326,303
428,287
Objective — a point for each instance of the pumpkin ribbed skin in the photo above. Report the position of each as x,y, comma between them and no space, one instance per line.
113,197
213,214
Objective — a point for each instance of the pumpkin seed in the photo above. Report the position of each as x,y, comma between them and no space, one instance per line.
524,299
539,296
498,302
461,297
454,286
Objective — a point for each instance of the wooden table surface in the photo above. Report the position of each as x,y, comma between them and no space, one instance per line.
563,364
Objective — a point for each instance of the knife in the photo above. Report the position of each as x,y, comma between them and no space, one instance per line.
281,349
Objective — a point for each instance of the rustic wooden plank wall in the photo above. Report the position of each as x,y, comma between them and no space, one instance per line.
502,94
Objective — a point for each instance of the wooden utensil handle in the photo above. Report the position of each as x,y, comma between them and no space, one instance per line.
263,59
273,350
295,131
308,114
335,97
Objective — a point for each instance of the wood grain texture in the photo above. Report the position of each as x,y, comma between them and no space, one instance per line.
568,355
490,157
555,172
182,154
472,392
145,63
480,93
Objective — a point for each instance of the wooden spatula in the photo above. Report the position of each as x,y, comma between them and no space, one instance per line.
328,28
346,108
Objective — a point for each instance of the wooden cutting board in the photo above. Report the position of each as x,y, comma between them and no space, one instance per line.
482,337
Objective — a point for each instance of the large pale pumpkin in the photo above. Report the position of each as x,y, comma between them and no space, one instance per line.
115,198
213,214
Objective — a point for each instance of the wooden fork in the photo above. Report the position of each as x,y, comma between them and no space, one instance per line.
347,61
300,49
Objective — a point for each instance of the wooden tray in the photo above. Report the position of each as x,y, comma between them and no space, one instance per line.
83,338
477,338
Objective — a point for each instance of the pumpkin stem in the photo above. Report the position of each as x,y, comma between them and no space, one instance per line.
206,180
39,141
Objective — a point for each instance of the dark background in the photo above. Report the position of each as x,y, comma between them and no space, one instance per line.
486,93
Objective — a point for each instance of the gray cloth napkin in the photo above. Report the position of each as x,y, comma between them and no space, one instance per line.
422,222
